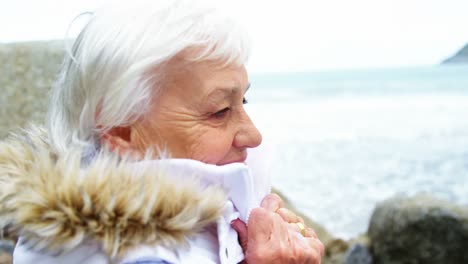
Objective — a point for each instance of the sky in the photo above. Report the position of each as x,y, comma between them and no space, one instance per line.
297,35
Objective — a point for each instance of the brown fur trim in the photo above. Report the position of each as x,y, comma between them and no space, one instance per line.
54,204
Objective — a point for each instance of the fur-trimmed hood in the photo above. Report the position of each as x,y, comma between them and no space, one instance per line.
54,203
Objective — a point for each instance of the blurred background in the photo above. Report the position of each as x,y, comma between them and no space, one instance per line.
358,100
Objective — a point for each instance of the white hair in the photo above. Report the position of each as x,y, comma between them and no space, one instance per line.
105,80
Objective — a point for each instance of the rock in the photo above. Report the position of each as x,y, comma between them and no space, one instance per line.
6,246
335,251
358,254
421,229
460,57
27,72
5,258
6,252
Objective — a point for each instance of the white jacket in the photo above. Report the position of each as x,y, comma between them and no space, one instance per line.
166,211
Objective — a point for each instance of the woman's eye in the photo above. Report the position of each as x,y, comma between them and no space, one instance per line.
245,101
221,113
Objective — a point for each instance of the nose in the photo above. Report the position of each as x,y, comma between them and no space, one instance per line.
247,135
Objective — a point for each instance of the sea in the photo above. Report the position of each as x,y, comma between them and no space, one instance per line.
339,142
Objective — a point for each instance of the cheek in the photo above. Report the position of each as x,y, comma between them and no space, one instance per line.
211,146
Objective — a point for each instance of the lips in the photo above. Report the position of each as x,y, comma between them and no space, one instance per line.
240,159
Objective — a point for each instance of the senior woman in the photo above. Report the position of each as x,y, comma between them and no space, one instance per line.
144,158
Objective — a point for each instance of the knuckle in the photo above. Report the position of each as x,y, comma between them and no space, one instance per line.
291,214
282,211
303,255
277,218
259,215
257,212
299,254
314,256
274,197
312,232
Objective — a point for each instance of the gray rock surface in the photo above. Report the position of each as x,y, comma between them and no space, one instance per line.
27,72
420,229
5,258
6,251
6,246
358,254
460,57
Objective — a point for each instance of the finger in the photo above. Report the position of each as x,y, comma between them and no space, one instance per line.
313,256
288,215
311,233
272,202
308,232
242,231
310,250
317,245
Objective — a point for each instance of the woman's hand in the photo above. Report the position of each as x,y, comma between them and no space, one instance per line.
277,235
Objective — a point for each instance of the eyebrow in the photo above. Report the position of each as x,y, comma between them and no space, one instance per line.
226,91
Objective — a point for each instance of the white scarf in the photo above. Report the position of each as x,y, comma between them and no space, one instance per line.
245,192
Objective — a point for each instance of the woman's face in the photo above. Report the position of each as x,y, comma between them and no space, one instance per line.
200,115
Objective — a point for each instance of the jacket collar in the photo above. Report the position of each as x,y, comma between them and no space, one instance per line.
55,204
242,188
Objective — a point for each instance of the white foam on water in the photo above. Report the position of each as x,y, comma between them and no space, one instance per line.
337,157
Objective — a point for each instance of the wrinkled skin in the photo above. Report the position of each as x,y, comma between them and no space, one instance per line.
273,236
199,114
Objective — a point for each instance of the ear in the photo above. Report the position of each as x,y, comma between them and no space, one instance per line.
119,141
